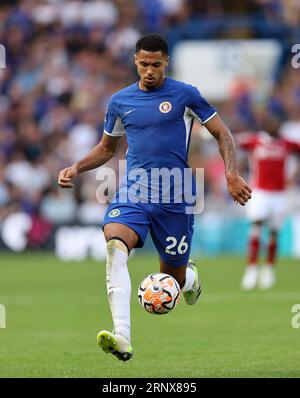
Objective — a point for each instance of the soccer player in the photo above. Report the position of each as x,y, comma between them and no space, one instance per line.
268,155
156,114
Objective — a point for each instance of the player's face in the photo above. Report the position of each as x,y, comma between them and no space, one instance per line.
274,133
151,68
272,127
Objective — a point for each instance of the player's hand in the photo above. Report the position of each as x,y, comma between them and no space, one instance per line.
238,189
65,176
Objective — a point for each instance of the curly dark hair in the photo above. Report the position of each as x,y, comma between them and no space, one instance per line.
152,42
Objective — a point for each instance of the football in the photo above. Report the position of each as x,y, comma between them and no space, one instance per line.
159,293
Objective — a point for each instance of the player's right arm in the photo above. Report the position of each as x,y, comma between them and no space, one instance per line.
101,153
98,156
246,140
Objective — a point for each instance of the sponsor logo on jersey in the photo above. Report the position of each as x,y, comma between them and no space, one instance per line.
165,107
114,213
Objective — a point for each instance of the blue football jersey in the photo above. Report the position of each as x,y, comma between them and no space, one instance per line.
158,125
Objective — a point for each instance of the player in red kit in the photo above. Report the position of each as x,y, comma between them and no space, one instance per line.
268,155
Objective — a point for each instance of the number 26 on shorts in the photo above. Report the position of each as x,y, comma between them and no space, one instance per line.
181,247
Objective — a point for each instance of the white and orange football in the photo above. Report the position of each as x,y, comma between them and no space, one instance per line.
159,293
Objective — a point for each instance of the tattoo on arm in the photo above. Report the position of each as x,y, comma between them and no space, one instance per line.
227,149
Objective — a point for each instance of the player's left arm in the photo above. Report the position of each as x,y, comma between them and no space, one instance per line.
237,186
293,146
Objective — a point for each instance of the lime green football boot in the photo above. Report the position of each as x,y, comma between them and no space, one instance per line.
192,295
115,344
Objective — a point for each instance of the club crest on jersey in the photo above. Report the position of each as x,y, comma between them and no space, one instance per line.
114,213
165,107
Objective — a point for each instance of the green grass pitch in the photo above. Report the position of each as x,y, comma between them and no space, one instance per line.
55,309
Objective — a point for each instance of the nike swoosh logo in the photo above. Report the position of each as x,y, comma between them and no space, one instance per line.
131,110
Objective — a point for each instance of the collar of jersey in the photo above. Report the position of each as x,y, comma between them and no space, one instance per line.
153,90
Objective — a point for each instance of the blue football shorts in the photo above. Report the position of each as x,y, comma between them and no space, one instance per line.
170,227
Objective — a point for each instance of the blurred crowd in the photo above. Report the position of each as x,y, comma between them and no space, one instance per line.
64,59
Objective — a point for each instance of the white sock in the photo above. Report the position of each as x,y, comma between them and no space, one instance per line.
189,279
118,286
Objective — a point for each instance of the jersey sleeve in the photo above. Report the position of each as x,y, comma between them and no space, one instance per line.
199,106
112,123
246,141
292,146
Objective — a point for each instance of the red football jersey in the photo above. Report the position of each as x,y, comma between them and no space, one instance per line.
268,158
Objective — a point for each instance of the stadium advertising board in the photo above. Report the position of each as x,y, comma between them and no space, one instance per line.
220,67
